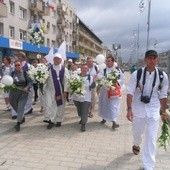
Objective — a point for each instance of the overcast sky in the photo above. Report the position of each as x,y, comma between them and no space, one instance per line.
118,22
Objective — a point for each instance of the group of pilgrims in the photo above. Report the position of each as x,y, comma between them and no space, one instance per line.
56,93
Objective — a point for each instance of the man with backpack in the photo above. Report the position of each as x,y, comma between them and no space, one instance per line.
93,71
146,97
108,108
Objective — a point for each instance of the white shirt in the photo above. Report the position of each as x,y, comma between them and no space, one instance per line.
151,109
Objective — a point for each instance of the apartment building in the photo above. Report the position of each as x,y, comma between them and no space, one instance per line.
88,43
22,15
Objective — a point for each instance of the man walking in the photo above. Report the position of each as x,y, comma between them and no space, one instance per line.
146,96
109,107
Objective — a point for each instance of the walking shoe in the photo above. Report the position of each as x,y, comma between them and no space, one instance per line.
136,149
83,127
58,124
17,127
50,125
115,125
29,112
23,120
14,117
103,121
46,121
80,122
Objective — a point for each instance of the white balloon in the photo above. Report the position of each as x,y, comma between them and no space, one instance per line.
7,80
102,66
100,59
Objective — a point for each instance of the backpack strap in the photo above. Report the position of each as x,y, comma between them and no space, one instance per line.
139,73
104,72
96,69
88,77
161,76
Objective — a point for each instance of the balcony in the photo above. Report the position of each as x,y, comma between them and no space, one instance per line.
62,9
3,10
61,23
36,5
60,38
45,11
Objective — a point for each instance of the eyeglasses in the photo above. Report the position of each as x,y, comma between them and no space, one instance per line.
17,65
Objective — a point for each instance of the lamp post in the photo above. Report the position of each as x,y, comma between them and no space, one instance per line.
155,42
38,55
116,47
141,7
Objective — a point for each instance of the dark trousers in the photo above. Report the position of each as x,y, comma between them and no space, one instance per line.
82,110
35,87
18,100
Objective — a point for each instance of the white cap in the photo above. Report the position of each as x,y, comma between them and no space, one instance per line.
57,55
70,60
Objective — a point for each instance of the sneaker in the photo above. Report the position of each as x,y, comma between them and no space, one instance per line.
23,120
58,124
115,125
136,150
50,125
17,127
103,121
83,128
14,117
29,112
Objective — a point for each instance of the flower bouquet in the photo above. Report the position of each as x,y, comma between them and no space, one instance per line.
76,86
40,74
164,138
36,36
110,83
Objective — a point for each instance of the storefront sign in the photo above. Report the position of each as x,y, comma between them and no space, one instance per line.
15,44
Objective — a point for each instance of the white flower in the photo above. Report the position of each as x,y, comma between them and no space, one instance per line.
39,73
76,86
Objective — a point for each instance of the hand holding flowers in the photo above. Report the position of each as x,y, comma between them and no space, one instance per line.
40,74
110,82
76,86
164,138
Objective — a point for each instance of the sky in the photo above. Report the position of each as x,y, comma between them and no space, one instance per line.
121,22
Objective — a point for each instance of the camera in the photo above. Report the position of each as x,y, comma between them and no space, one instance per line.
145,99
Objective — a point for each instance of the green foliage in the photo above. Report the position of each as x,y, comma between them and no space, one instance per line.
164,139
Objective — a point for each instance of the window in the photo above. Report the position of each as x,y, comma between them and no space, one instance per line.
1,29
48,42
53,13
54,28
22,13
48,26
22,35
53,43
11,32
11,7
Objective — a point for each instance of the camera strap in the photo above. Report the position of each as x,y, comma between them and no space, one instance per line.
144,79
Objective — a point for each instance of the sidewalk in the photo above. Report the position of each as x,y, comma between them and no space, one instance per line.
67,148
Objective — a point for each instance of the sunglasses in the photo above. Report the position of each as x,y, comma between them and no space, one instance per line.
17,65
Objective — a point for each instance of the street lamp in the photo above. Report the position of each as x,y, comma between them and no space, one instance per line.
38,55
155,42
141,8
116,47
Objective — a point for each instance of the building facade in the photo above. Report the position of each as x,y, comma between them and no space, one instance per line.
18,17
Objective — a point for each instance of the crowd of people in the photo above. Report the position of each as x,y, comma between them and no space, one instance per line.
144,97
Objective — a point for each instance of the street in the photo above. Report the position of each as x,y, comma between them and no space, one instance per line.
67,148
